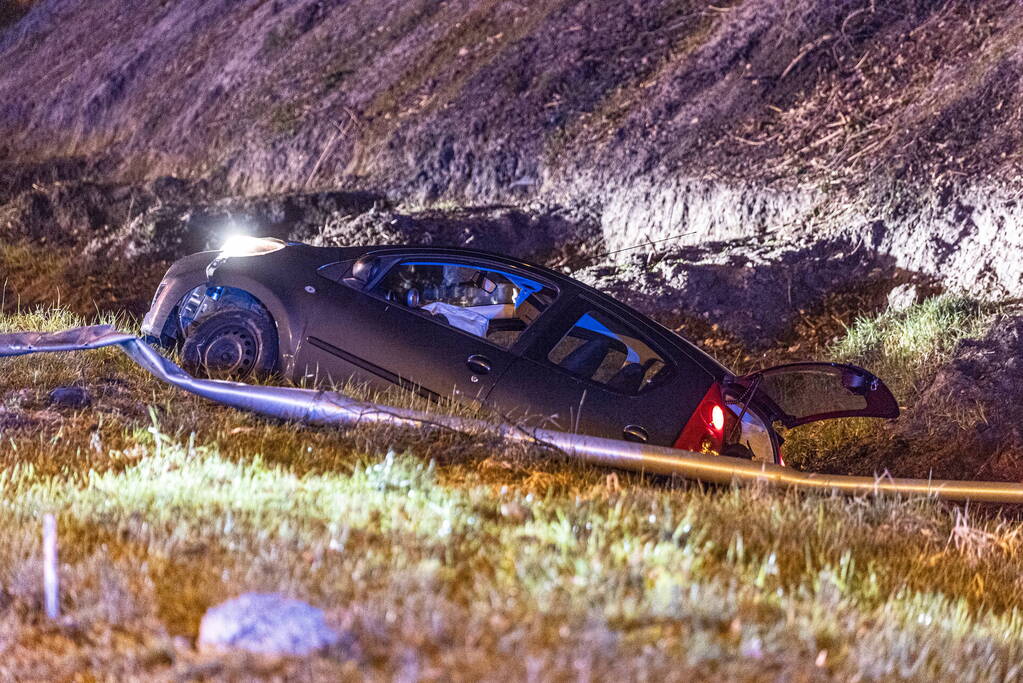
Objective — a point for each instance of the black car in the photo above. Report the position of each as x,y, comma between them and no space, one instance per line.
535,345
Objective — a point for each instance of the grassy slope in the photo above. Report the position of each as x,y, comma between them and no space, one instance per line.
906,349
445,555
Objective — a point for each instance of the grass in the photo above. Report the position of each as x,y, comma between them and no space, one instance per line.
448,556
906,349
31,276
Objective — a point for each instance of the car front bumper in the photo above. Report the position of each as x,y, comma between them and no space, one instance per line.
183,276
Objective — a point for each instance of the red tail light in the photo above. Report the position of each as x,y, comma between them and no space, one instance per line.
705,431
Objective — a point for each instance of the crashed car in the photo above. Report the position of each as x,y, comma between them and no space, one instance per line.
535,345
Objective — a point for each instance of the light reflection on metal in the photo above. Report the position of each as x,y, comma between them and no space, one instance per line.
327,407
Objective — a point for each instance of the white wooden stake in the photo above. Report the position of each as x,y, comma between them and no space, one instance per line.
51,581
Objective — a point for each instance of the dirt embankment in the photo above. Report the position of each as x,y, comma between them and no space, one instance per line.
893,123
500,100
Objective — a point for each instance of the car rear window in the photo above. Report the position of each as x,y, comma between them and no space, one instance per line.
604,350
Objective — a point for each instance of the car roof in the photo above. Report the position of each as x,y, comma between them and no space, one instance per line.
541,271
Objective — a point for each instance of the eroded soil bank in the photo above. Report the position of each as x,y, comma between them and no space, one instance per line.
885,129
748,292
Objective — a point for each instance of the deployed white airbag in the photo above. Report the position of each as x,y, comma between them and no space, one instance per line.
464,319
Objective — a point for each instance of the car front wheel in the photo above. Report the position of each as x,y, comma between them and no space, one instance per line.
231,343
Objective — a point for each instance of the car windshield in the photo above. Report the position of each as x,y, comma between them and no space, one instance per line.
487,302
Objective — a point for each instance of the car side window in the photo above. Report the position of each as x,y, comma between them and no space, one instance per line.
487,302
603,349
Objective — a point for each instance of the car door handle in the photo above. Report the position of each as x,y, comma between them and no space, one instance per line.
478,364
635,433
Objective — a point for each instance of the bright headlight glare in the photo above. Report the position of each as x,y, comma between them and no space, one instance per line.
246,245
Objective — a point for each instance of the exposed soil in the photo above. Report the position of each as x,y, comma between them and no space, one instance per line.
893,125
968,423
496,100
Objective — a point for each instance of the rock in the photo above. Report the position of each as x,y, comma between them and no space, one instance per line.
902,297
70,397
267,624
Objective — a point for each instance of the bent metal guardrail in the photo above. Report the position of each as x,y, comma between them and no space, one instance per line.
327,407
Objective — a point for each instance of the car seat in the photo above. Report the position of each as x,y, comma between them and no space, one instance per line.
628,379
585,359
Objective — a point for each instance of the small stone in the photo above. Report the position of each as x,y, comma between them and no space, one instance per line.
513,511
70,397
267,624
902,297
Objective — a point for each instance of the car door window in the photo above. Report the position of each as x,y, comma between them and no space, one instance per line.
484,301
602,349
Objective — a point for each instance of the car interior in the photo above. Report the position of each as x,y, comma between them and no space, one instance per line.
601,349
489,303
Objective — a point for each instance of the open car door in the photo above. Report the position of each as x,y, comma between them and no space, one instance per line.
800,393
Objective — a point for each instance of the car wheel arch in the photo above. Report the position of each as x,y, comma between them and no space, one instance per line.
241,294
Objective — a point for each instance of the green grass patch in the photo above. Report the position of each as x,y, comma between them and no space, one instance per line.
905,349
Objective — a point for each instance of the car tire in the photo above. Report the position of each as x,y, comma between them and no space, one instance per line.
231,343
